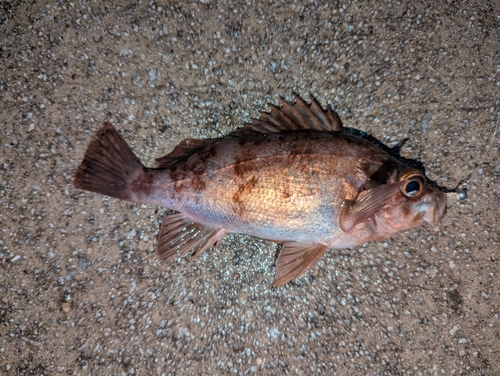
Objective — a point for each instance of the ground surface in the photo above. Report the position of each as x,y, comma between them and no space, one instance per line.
81,290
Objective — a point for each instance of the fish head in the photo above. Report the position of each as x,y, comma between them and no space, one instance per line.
416,202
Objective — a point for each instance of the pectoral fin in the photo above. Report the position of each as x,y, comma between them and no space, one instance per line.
295,259
364,208
179,235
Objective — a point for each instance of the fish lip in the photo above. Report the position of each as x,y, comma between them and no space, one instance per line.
433,209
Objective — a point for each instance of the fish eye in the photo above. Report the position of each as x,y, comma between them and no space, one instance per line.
413,186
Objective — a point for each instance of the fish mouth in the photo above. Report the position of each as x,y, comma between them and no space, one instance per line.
431,212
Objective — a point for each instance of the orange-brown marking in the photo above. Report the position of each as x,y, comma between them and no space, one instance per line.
245,188
143,185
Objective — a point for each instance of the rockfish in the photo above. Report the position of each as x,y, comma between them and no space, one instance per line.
294,176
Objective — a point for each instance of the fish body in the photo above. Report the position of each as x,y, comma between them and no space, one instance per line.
288,187
293,176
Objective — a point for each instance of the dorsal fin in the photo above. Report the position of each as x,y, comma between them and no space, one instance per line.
182,151
287,118
301,116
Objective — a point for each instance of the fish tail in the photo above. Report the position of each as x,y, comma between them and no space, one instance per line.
109,167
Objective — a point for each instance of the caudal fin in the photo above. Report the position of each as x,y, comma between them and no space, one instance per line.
109,166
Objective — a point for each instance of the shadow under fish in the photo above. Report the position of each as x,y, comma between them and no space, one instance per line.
294,176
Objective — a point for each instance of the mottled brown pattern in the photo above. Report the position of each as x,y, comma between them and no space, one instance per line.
191,175
180,186
204,155
197,183
243,164
381,175
144,184
238,197
177,175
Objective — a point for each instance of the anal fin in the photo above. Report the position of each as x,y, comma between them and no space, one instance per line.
295,259
179,235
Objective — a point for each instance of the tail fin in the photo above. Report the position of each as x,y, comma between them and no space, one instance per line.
110,166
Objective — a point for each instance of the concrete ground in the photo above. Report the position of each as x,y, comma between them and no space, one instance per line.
81,290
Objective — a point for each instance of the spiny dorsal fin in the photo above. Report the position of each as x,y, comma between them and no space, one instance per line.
287,118
301,116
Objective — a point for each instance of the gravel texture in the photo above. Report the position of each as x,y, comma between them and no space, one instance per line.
81,290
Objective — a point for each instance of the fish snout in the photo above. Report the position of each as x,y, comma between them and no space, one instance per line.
432,209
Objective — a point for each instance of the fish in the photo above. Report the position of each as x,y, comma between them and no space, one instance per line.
295,176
